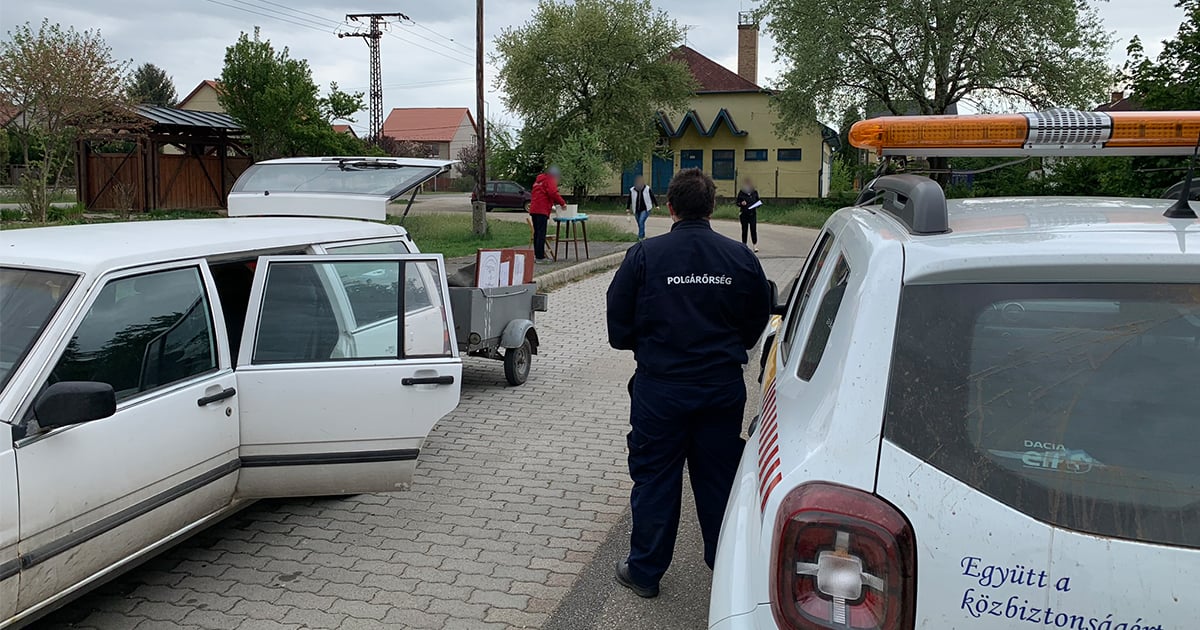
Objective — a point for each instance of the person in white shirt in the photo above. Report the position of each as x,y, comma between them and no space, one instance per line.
641,202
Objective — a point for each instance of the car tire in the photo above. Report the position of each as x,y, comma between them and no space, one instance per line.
516,363
527,204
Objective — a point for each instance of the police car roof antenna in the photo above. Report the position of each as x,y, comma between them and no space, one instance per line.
1182,208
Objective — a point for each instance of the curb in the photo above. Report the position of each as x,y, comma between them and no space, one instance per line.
563,277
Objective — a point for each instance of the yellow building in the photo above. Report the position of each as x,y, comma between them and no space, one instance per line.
730,132
204,98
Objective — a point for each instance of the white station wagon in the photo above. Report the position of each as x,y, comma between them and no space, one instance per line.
156,376
980,413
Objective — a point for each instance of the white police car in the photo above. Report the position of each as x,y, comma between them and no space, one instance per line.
981,413
156,376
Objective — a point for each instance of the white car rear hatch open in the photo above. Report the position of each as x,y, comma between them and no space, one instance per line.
335,187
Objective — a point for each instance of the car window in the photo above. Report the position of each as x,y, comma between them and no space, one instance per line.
383,247
299,320
427,325
804,289
818,337
28,299
511,188
351,176
1068,402
142,333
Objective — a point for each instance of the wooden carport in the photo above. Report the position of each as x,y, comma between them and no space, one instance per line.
171,159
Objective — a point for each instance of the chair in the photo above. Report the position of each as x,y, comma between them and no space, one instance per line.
551,248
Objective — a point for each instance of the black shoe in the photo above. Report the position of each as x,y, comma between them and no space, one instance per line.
624,579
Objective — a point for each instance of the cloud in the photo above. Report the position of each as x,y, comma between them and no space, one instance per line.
427,65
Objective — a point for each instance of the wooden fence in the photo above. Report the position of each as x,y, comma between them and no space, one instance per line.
137,181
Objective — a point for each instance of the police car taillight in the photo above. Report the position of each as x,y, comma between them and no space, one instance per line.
842,558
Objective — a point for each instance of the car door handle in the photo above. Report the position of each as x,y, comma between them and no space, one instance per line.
428,380
226,394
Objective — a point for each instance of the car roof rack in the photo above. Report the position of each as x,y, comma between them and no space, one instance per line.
917,202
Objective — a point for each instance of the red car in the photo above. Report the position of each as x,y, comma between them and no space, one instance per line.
505,194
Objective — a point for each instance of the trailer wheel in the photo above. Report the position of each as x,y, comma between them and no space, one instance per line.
516,363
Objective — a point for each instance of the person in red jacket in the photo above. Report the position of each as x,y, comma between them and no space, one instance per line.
545,198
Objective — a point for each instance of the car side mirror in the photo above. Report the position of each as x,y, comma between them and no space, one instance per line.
74,402
776,307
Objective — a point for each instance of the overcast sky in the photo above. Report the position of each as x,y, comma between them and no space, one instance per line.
426,62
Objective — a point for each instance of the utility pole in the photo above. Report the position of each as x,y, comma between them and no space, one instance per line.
372,37
479,209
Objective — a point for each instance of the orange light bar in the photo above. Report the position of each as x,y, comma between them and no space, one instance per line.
1056,132
1154,129
1006,131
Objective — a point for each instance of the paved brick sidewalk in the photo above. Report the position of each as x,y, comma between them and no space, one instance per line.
513,494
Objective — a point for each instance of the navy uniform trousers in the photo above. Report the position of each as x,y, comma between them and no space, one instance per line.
673,423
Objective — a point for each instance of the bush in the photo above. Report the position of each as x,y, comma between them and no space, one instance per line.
463,184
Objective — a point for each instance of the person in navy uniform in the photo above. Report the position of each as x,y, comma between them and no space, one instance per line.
688,304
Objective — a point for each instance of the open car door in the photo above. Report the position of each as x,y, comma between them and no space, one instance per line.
335,187
345,365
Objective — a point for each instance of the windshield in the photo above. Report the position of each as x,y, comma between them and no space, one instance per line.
1069,402
28,299
342,177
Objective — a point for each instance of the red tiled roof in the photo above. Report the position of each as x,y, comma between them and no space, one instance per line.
710,75
344,129
426,124
1123,104
207,82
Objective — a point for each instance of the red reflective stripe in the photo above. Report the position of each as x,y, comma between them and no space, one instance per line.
769,423
762,455
769,405
773,456
774,467
767,494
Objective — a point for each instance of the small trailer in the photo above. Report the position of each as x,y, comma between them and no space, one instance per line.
498,324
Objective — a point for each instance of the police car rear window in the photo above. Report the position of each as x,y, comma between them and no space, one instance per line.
1073,403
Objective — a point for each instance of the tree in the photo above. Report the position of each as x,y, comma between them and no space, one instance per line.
1169,82
581,160
62,82
925,56
468,158
514,156
276,101
406,148
598,66
151,85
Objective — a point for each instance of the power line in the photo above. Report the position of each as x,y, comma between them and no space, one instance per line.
312,24
446,37
284,6
276,16
447,52
390,86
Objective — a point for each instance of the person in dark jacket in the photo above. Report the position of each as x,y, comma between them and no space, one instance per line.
544,198
688,304
641,201
748,203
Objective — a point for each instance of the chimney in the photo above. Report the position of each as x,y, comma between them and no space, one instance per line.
748,46
1117,97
